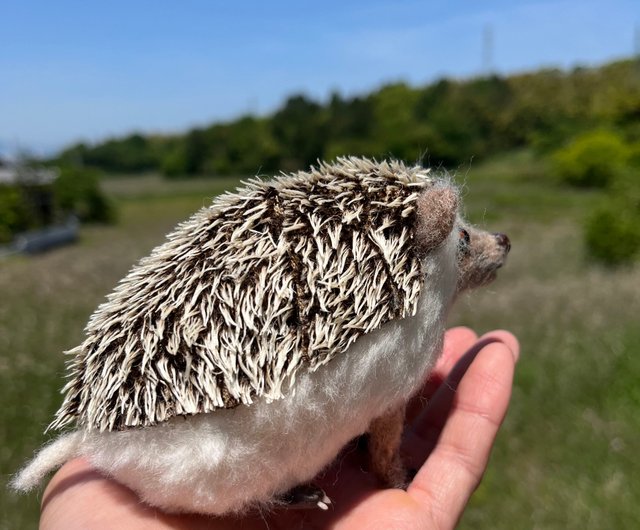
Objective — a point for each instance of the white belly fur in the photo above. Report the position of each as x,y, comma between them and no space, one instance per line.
230,459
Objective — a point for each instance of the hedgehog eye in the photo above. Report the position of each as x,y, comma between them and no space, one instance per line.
464,241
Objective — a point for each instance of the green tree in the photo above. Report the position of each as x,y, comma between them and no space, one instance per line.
448,121
350,125
242,147
394,128
300,128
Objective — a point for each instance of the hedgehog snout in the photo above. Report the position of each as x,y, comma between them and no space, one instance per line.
503,241
479,261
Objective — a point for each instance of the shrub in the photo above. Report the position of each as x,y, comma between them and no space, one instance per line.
593,159
77,191
613,231
14,212
634,155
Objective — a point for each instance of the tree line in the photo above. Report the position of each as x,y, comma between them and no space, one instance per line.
585,123
448,122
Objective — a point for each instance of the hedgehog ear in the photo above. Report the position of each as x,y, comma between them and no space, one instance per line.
437,209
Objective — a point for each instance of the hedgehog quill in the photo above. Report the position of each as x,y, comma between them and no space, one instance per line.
232,365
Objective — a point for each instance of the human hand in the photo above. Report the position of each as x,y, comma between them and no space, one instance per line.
451,427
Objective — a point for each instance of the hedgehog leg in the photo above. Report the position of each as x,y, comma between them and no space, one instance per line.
305,496
385,434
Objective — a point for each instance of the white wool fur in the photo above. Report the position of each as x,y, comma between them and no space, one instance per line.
231,459
49,457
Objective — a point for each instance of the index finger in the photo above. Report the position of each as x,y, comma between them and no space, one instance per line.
455,466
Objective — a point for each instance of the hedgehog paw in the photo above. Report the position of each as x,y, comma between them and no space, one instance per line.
305,496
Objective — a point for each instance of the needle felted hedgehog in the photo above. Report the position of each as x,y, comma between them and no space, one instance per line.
230,366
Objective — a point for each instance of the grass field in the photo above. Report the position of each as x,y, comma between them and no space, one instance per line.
568,454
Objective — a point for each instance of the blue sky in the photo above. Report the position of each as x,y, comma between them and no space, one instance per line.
72,70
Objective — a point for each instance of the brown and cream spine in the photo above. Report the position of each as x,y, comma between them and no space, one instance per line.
274,278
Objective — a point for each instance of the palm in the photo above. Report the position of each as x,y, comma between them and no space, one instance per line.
448,440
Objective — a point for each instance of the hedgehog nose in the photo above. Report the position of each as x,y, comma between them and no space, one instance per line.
503,241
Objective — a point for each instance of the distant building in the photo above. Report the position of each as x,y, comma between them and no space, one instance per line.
27,176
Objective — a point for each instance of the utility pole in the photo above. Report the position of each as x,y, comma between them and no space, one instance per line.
487,50
636,49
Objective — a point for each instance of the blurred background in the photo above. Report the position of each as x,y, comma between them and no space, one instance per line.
119,119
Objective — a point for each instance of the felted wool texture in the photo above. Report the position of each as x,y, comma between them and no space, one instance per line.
275,279
49,457
385,437
479,263
433,215
232,459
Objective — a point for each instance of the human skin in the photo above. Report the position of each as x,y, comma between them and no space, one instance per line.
452,425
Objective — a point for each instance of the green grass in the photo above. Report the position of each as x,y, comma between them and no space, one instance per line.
567,455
